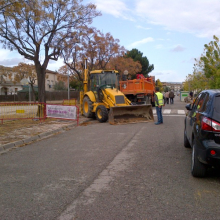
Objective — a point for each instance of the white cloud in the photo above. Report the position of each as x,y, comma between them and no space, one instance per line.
116,8
140,27
143,41
4,53
55,65
10,58
11,62
200,17
177,48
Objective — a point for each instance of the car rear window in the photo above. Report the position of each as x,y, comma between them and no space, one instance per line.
216,110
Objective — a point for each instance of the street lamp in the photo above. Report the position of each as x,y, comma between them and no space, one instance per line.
125,74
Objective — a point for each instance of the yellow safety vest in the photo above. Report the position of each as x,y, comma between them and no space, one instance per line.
194,114
160,98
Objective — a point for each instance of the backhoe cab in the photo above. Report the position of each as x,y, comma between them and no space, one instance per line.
101,99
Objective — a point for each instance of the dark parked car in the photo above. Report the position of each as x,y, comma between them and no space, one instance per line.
202,131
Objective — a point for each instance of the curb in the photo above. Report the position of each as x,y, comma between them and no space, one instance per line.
6,147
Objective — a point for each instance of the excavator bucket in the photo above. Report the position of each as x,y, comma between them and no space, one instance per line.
130,114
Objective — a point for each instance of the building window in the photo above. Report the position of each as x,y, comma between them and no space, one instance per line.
48,84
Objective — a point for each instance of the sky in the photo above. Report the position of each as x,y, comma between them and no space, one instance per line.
170,33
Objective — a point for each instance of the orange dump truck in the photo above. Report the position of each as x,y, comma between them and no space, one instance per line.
139,91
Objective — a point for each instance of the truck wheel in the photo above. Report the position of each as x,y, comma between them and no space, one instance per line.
198,169
87,107
101,113
186,142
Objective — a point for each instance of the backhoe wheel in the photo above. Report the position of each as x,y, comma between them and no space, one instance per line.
87,107
101,113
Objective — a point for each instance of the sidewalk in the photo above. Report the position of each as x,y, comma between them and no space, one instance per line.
36,131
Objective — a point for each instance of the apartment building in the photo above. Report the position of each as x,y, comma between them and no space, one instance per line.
8,86
175,86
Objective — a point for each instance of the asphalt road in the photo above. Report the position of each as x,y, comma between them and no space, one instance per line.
105,172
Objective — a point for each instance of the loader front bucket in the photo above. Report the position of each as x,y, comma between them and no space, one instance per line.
130,114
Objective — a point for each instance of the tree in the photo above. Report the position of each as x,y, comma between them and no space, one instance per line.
122,63
75,84
159,84
6,3
96,47
209,63
196,81
107,48
136,55
60,85
38,29
74,80
26,71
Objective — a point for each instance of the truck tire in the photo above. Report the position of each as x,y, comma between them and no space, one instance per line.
198,169
87,107
101,113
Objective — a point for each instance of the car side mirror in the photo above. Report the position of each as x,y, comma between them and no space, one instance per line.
188,107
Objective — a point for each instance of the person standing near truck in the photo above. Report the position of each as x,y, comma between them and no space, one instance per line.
159,102
167,97
171,95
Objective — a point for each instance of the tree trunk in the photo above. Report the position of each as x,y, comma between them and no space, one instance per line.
41,72
33,92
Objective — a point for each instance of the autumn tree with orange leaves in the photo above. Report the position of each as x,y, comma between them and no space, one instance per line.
26,71
122,63
92,44
38,29
6,3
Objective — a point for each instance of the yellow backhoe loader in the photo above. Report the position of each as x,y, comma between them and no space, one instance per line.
102,99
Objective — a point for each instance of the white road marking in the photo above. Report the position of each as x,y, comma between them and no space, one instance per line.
171,112
181,112
167,111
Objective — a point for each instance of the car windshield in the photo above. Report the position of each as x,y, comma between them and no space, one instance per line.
104,80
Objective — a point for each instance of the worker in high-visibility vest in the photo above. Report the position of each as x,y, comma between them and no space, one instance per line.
159,102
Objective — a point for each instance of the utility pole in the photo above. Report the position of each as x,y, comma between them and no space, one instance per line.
68,85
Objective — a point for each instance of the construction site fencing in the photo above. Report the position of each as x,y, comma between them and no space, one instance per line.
38,111
69,102
13,111
67,112
50,96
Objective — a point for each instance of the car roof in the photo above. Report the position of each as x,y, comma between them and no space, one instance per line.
212,91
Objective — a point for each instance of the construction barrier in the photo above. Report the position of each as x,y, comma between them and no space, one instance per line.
40,111
67,112
13,111
69,102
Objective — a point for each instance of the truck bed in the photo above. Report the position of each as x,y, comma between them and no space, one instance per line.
137,86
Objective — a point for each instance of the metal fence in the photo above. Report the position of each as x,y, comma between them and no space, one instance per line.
40,111
12,111
50,96
69,102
